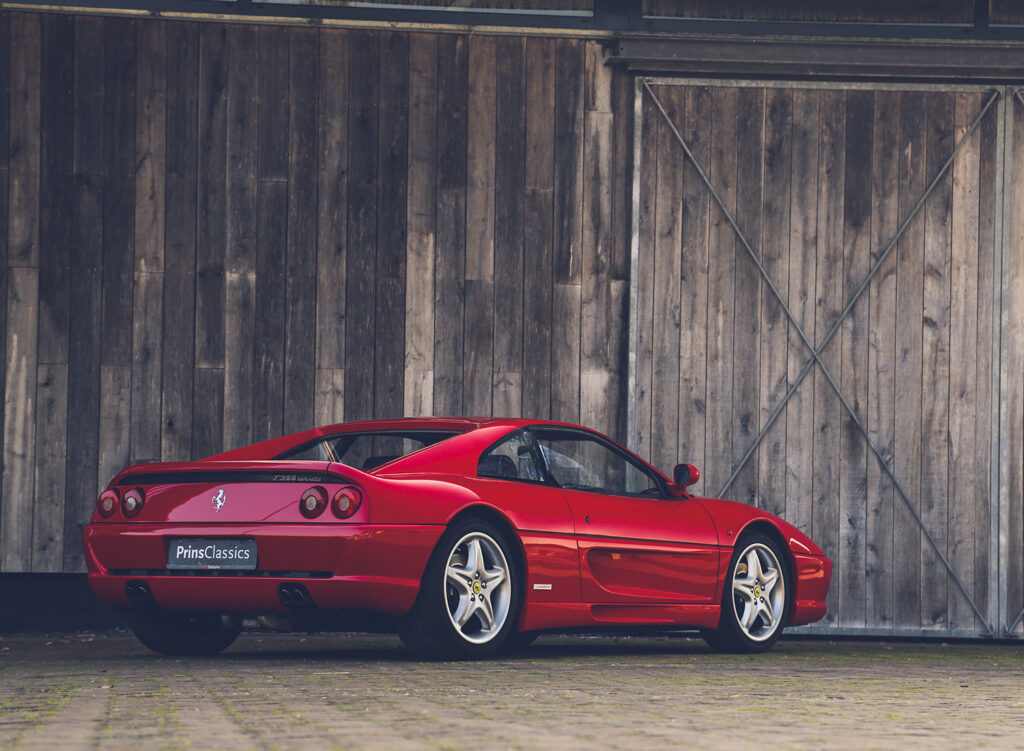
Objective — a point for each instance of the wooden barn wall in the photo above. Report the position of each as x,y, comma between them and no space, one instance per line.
215,234
819,180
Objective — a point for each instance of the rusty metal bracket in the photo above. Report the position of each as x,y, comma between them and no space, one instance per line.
816,351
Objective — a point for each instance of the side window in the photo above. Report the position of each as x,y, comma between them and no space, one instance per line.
578,461
511,459
315,452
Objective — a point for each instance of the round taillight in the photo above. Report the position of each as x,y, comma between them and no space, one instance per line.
313,502
346,502
133,502
107,504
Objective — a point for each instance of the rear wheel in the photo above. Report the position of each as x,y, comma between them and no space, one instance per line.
171,633
469,600
754,603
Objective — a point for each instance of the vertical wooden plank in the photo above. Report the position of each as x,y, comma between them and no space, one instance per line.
1013,365
269,316
509,181
24,134
56,100
392,183
51,382
18,484
964,358
5,102
150,202
272,134
421,223
180,243
885,160
538,227
482,167
300,338
449,290
748,290
909,306
115,421
211,226
598,352
330,396
333,197
480,157
84,261
853,337
360,266
988,197
803,243
208,412
569,68
828,412
623,116
644,285
147,363
722,257
774,382
51,431
118,189
150,147
935,361
693,298
240,234
667,253
568,240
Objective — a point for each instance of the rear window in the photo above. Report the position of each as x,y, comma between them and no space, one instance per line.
368,450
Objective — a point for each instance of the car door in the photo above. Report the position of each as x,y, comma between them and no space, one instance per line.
636,543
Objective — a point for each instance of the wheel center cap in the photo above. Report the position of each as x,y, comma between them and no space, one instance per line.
476,588
757,591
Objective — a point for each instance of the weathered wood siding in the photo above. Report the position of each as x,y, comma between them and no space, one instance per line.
819,179
213,234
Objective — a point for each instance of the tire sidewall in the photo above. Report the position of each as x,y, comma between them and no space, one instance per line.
433,609
730,634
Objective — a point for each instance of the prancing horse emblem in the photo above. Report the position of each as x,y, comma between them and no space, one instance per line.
219,500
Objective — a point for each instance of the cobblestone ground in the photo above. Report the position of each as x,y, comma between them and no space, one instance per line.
273,691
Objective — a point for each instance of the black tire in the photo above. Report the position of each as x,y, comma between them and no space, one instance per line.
753,616
179,634
449,594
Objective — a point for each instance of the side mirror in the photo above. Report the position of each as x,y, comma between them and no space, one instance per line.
685,475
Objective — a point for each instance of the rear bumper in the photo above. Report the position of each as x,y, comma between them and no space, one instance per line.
813,576
359,567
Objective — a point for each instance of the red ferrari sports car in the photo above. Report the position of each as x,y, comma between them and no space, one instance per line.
466,536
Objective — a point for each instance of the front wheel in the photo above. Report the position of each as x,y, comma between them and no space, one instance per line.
754,601
469,599
171,633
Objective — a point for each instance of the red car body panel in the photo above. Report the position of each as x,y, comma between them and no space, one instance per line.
590,559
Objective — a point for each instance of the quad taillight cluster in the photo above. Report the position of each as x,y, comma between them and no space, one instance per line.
130,503
345,503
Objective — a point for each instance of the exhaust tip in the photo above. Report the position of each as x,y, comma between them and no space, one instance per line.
294,596
139,593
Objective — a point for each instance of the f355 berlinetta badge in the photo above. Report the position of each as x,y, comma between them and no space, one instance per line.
219,500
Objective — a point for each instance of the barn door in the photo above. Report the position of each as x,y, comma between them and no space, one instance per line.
817,327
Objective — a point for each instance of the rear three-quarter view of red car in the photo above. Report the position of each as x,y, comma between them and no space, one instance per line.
465,535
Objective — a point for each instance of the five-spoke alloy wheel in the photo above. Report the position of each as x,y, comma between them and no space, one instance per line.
469,600
754,601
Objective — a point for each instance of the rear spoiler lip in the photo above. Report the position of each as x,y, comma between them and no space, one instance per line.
164,472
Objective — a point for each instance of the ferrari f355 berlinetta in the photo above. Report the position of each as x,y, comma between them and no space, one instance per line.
465,535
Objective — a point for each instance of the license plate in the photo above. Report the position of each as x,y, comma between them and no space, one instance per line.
199,553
